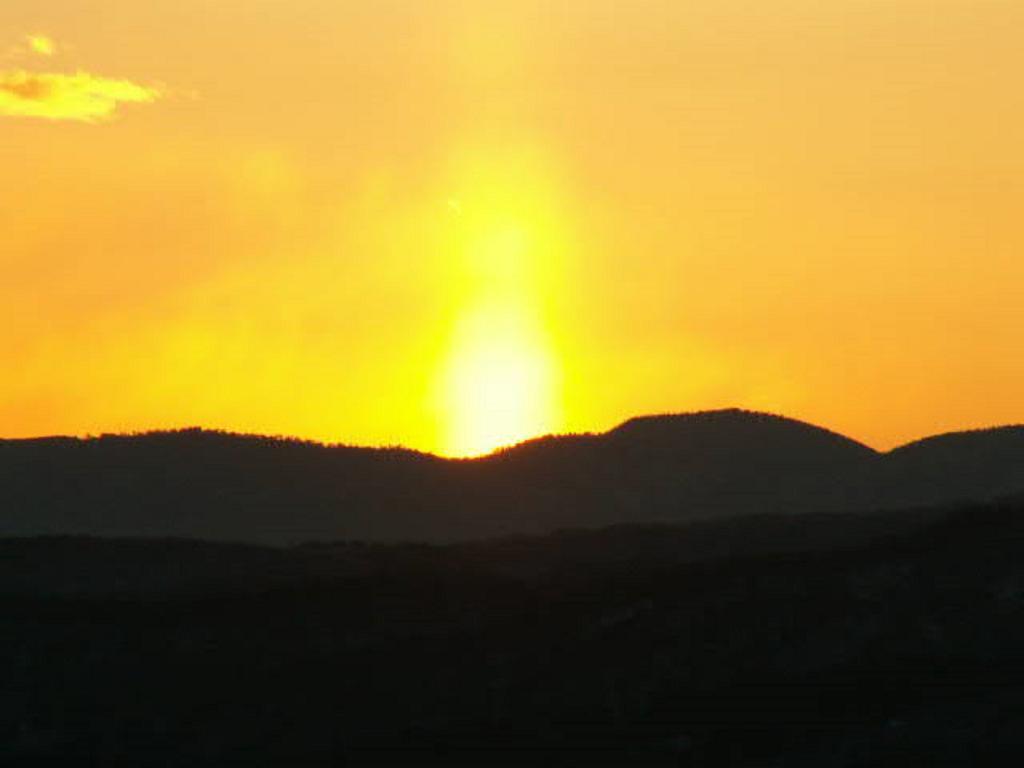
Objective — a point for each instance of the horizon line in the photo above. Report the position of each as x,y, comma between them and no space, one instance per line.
501,449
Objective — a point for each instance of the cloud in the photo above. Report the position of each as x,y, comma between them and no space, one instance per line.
42,45
80,96
33,45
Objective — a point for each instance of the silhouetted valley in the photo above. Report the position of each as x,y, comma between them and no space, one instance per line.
817,640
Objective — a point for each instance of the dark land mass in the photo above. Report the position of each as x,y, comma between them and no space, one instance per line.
717,589
667,469
891,639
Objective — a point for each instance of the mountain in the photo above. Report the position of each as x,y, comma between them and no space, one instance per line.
667,469
958,467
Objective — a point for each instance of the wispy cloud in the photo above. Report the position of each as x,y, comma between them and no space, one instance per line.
77,96
81,96
31,46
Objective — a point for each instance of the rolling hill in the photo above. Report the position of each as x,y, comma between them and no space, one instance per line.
660,469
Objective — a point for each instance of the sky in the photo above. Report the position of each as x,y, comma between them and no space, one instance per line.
457,224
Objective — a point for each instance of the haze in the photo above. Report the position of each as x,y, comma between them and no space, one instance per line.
456,225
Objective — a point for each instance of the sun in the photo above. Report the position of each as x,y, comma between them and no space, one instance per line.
500,383
499,371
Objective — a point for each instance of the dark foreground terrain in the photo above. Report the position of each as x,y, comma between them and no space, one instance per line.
874,640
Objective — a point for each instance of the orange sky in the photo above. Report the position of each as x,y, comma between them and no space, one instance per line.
455,224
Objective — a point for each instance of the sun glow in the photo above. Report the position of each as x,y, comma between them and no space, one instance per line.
499,376
500,385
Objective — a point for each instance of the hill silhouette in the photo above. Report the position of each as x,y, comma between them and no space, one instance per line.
659,469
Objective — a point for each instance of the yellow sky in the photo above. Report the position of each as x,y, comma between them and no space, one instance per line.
453,224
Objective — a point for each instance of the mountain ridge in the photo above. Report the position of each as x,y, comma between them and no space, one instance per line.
668,468
626,425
